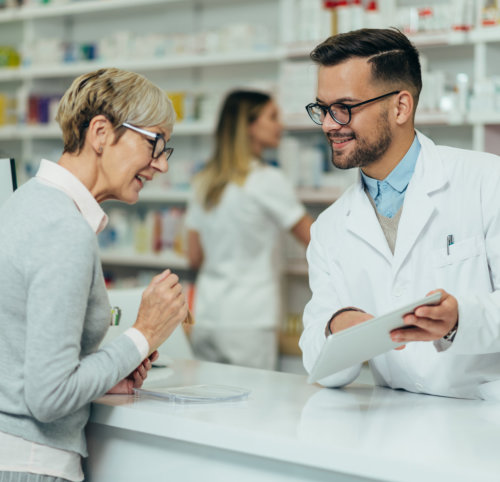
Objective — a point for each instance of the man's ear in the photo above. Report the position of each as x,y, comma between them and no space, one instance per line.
403,107
98,133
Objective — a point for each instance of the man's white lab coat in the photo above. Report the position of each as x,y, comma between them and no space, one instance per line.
452,191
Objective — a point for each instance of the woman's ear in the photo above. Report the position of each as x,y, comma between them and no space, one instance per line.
404,107
98,133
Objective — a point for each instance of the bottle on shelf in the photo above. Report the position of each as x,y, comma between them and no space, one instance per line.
373,17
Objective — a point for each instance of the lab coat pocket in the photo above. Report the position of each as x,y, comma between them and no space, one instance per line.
457,252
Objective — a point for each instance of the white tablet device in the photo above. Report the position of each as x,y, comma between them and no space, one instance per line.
364,341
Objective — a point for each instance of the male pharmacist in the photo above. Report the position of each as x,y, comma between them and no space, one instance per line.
420,218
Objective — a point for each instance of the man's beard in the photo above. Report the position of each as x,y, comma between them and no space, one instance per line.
364,154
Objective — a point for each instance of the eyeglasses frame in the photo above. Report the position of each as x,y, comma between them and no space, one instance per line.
349,108
155,135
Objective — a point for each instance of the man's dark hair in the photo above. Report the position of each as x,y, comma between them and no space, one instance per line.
393,57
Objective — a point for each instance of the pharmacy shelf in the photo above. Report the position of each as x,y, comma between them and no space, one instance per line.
308,195
322,195
52,131
89,7
300,122
420,40
296,267
188,128
299,50
485,34
162,260
15,132
166,195
442,118
75,8
432,39
9,74
487,118
294,123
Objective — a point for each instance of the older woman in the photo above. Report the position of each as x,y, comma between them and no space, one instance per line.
54,309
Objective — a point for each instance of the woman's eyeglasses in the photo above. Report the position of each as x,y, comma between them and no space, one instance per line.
157,141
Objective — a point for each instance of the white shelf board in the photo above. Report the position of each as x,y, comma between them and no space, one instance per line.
162,260
53,131
88,7
484,117
446,37
41,131
441,118
188,128
168,195
139,65
300,122
300,50
485,34
322,195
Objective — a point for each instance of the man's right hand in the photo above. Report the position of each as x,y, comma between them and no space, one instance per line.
163,307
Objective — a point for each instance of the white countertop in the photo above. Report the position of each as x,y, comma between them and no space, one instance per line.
360,430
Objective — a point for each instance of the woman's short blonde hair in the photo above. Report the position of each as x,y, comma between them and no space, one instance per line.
118,95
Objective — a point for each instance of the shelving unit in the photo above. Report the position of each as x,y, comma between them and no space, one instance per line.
212,72
147,65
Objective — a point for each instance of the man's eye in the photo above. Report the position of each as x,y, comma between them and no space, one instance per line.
341,107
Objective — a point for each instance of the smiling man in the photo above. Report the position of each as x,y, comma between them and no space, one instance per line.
420,218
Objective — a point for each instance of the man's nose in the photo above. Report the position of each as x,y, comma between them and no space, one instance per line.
329,124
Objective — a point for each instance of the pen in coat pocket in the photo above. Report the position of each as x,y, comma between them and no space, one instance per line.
449,241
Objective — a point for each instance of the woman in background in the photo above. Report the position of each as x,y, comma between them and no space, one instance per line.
54,308
239,208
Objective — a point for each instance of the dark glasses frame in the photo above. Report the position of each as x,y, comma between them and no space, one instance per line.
341,105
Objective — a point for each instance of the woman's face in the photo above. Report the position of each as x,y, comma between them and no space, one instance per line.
265,131
128,164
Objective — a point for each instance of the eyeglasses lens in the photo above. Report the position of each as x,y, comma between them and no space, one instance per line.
339,111
159,147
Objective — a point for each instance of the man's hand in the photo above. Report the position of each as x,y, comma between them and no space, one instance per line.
347,319
429,322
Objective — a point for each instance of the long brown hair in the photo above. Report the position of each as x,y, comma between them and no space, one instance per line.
232,154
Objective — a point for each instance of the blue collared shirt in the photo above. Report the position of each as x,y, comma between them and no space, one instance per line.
389,194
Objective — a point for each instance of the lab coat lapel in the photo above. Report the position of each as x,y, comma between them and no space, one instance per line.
419,206
363,223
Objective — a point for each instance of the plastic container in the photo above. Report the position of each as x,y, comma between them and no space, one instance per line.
196,393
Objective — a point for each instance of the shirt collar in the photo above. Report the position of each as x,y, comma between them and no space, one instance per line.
54,175
400,176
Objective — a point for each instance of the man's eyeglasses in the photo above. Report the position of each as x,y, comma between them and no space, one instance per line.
157,141
339,112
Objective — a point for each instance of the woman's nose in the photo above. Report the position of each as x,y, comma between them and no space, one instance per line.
160,163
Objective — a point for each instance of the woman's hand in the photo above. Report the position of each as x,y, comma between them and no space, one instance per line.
136,378
163,307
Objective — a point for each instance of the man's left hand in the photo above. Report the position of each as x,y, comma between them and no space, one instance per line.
429,322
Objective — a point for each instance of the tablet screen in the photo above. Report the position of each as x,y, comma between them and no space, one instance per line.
364,341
